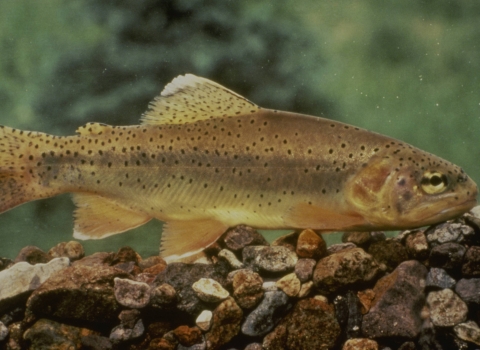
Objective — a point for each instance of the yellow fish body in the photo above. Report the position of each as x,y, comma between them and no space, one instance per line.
205,159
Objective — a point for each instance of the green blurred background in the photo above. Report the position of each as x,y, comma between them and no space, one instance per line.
408,69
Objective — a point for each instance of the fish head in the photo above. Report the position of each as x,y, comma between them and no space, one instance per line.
408,189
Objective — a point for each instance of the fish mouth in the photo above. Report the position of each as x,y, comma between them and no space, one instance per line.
452,212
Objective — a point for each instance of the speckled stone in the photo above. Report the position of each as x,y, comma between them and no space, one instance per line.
468,331
131,293
247,288
241,236
274,259
471,262
72,250
289,284
360,344
226,321
305,289
348,314
335,248
446,308
357,238
449,232
447,256
389,252
343,269
261,320
439,278
417,245
123,333
469,290
304,269
209,290
310,245
188,336
163,296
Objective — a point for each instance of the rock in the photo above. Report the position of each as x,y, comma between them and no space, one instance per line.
181,277
446,308
270,286
360,344
80,293
209,290
388,252
32,255
471,262
310,325
159,329
15,340
48,334
365,297
230,258
199,346
188,336
448,232
3,331
5,263
468,331
131,294
262,320
304,269
204,320
335,248
155,269
254,346
226,321
289,284
241,236
468,289
129,318
161,344
163,296
305,289
439,278
247,288
288,241
274,259
95,342
343,269
447,256
417,245
72,250
397,306
357,238
123,333
151,261
125,255
96,259
348,315
22,278
310,245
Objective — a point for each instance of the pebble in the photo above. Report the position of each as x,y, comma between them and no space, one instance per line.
305,289
254,346
230,257
348,315
72,250
209,290
304,269
389,252
289,284
357,238
163,296
151,261
439,278
122,333
447,256
446,308
262,320
226,321
471,262
417,245
275,259
23,277
131,293
270,286
310,245
365,297
247,288
469,290
204,320
398,302
188,336
360,344
32,255
310,325
3,331
468,331
449,232
241,236
335,248
344,268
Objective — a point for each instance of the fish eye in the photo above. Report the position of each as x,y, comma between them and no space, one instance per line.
434,182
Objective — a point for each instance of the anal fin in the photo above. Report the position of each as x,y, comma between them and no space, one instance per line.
97,217
304,215
181,239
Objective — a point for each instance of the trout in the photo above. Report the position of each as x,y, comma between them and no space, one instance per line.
204,159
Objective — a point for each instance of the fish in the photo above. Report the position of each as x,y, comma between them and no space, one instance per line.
204,159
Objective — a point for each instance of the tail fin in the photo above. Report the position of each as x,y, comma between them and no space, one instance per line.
17,182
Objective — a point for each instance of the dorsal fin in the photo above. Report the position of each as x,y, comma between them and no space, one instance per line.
190,98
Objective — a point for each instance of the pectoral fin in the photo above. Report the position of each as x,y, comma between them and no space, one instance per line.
181,239
97,217
304,215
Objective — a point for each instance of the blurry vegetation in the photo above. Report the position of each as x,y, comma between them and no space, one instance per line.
407,69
